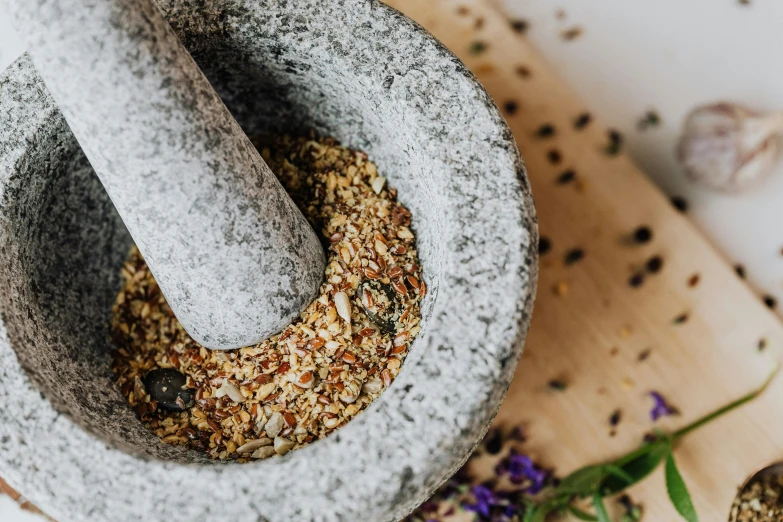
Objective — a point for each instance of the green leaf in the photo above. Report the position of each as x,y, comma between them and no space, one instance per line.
678,492
542,511
637,466
698,423
619,472
600,509
582,481
581,515
530,512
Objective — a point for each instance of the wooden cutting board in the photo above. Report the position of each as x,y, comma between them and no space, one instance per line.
590,325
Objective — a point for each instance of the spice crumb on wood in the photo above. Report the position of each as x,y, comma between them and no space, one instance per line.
642,234
614,146
520,26
544,245
648,120
321,370
573,256
546,130
557,384
680,203
477,48
582,121
523,71
560,288
566,177
510,107
554,157
571,33
654,264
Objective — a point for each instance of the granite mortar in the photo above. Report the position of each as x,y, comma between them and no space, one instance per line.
353,69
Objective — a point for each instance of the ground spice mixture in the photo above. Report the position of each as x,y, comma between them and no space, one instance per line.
760,501
323,369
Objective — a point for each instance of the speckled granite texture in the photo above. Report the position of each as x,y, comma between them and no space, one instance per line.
356,70
235,258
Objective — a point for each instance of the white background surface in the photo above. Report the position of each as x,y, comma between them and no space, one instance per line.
666,55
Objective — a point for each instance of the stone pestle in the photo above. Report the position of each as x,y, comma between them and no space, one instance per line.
234,257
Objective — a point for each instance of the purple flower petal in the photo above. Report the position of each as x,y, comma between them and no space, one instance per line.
520,468
485,499
661,408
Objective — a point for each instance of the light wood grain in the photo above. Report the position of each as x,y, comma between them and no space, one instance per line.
699,365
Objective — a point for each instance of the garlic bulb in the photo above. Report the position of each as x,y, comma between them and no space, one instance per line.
729,147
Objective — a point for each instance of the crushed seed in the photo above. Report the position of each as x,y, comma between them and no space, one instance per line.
633,511
544,245
477,47
546,130
520,26
614,146
523,71
636,280
682,318
654,264
644,355
642,234
554,156
320,371
762,344
571,33
680,203
557,384
650,119
561,288
582,121
510,107
566,177
493,442
760,501
573,255
693,280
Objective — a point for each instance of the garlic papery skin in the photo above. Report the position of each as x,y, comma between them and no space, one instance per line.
729,147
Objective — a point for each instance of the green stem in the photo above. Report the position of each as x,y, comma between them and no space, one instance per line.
725,409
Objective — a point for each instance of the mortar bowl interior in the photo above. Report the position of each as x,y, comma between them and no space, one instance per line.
376,82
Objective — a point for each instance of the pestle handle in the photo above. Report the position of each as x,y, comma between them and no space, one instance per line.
234,257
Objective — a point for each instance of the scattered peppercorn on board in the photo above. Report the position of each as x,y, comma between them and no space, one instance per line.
631,297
